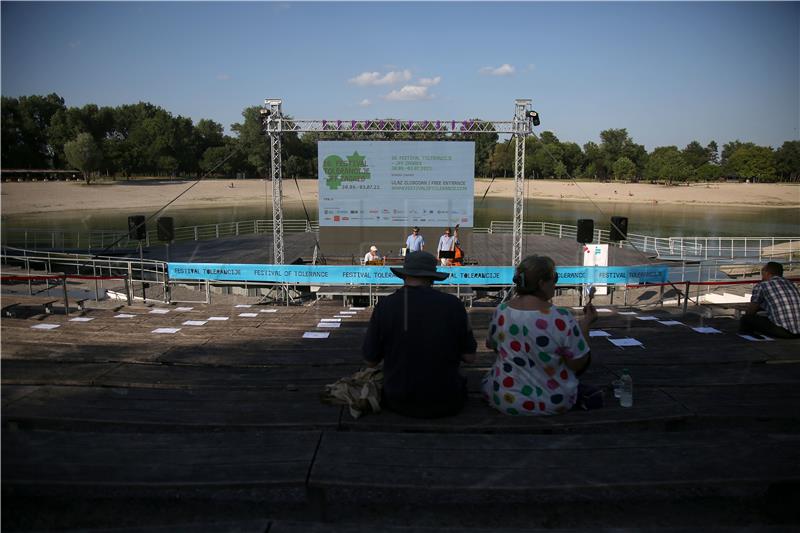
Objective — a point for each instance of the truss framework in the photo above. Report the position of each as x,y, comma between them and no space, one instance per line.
399,126
274,125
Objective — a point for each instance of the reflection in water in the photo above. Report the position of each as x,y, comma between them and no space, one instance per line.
656,220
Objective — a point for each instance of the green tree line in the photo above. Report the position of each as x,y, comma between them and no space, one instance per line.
41,132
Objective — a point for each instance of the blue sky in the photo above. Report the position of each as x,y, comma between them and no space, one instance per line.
668,72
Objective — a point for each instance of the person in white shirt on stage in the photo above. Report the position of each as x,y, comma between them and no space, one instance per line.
372,255
447,243
415,242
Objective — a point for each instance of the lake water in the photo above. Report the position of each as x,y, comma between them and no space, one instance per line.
655,220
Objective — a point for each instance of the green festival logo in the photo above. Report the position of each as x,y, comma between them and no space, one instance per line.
337,170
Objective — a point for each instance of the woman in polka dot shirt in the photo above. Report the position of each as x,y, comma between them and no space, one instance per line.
540,348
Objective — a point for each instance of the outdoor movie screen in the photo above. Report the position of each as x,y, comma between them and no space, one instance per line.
396,183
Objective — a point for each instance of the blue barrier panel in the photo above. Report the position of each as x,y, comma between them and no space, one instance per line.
380,275
612,275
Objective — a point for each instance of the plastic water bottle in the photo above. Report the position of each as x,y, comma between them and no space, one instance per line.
626,392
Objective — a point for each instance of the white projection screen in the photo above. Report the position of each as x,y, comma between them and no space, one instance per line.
395,183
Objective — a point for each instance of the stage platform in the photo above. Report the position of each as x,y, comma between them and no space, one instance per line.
219,426
486,249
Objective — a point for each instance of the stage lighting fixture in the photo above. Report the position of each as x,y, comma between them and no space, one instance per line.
534,116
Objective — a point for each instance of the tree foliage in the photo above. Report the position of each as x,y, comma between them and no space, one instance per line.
502,159
752,162
616,143
84,154
695,155
624,169
144,139
787,161
667,163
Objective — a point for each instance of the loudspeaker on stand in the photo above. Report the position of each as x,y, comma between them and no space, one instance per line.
619,229
136,228
585,230
166,229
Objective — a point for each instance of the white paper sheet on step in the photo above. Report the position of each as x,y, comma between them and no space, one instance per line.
166,330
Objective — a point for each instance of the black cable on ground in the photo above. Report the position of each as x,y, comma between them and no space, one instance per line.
308,219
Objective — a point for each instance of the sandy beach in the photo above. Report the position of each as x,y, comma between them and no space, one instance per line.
55,196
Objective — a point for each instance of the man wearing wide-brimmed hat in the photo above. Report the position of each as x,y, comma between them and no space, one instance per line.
421,335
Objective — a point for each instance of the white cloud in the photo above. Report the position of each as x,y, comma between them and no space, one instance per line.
503,70
375,78
395,77
365,78
365,102
428,82
223,76
409,92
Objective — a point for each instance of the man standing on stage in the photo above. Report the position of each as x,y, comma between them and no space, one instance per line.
415,242
447,243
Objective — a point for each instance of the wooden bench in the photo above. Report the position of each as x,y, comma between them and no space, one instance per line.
349,294
118,400
10,310
737,307
465,294
88,464
590,466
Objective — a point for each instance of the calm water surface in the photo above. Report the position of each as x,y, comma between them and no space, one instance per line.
646,219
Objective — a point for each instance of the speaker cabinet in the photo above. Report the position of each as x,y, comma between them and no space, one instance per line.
166,229
136,228
619,229
585,230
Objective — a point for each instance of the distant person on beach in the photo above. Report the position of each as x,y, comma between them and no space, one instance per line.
541,349
415,242
372,255
422,336
780,299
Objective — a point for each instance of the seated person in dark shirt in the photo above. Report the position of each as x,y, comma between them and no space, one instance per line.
421,335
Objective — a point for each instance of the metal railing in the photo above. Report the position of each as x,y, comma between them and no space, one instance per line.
757,248
141,273
674,248
562,231
36,239
683,248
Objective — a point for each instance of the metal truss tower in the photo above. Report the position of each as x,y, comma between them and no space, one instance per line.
522,128
274,125
272,117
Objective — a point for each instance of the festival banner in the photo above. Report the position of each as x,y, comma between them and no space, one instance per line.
381,275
